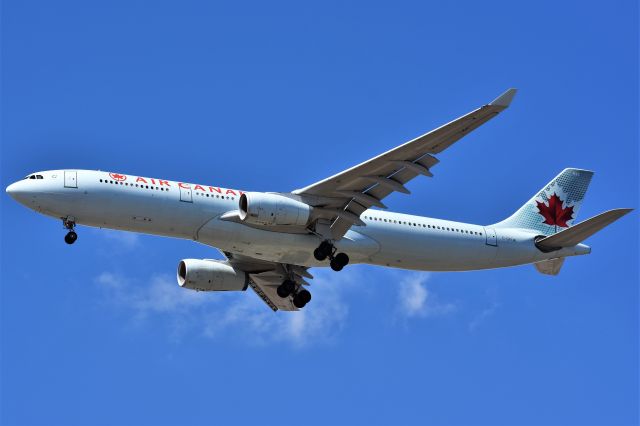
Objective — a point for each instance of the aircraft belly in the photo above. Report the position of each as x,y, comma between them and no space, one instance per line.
158,214
431,251
281,247
516,247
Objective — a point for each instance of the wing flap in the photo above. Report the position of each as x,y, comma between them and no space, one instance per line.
265,288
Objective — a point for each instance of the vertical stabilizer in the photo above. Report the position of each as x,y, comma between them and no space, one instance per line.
555,207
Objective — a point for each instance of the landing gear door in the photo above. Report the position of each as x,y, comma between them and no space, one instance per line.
70,179
185,195
492,240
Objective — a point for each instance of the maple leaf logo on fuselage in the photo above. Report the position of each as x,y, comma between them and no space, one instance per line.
118,177
554,213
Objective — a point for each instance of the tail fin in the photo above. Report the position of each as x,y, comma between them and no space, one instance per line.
554,207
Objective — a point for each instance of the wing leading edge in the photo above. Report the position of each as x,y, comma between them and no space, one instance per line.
346,195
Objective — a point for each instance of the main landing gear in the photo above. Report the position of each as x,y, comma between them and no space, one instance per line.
327,250
301,296
71,236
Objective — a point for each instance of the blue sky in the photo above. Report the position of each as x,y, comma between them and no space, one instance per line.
274,96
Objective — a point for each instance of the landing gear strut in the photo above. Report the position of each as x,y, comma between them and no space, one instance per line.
71,236
327,250
339,261
285,289
301,297
324,250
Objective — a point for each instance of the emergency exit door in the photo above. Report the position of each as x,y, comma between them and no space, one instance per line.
70,179
185,195
492,240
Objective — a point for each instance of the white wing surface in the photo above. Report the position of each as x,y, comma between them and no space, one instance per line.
344,196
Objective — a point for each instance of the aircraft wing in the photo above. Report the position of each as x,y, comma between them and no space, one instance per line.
344,196
265,277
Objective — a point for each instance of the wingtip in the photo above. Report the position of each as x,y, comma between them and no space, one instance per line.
505,99
624,211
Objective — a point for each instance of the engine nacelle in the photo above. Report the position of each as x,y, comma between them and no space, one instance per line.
260,208
210,275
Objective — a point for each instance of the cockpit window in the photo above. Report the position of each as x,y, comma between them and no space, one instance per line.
39,177
34,177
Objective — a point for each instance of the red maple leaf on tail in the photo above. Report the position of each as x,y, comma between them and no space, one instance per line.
554,213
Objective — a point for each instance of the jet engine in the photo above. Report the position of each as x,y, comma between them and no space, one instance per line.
211,275
259,208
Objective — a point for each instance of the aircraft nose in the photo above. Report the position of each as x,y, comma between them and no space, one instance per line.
12,189
17,191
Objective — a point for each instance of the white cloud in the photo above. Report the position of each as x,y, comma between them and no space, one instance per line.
415,300
320,322
237,314
483,316
244,317
122,239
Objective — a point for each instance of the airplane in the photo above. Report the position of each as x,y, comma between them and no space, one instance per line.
270,240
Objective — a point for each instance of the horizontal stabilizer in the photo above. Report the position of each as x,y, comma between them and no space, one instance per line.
583,230
551,266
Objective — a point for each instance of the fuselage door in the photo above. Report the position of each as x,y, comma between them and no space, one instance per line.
492,240
185,195
70,179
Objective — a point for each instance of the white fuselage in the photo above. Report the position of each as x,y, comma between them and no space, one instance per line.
189,211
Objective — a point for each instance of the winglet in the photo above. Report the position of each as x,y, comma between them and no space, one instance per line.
505,99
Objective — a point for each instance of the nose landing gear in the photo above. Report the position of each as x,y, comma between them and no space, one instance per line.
327,250
71,236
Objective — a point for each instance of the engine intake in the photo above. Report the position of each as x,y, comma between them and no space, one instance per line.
261,208
210,275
